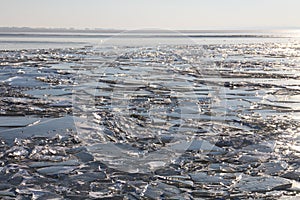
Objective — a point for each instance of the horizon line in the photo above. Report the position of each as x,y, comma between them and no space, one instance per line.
212,29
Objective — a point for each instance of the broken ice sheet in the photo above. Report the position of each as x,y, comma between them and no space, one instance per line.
196,145
15,121
273,168
204,178
45,93
55,170
262,183
19,81
266,147
47,127
49,164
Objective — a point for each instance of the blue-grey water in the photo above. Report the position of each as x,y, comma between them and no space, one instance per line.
150,115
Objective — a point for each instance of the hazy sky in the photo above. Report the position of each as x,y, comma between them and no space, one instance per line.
136,14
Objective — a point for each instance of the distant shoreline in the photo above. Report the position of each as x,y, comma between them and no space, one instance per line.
145,35
100,30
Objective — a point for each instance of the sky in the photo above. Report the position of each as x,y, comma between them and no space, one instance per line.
140,14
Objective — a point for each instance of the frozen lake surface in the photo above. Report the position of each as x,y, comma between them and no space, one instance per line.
157,116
